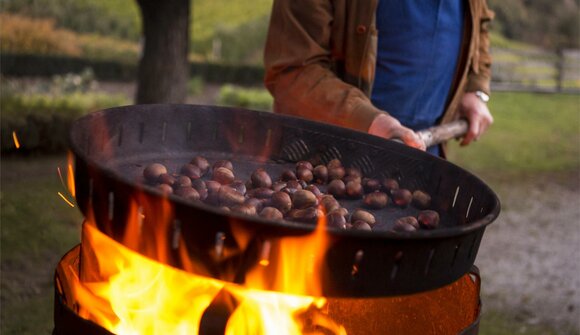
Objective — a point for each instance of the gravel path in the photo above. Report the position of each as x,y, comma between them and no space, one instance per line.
530,257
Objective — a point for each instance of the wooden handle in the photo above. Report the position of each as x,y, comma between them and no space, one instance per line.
439,134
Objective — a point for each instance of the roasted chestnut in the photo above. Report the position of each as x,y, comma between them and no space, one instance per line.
244,209
361,225
188,193
153,171
304,174
362,215
165,189
261,178
223,163
337,188
271,213
421,199
402,197
260,193
182,181
201,163
166,178
354,190
288,175
406,224
223,175
335,220
303,199
320,173
428,219
191,171
388,185
304,164
334,163
336,173
228,196
329,203
376,200
371,185
281,201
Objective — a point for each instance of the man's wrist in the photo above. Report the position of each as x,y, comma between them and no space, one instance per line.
484,97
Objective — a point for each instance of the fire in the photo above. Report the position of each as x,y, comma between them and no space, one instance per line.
128,293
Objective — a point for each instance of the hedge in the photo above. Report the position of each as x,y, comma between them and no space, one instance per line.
20,65
42,121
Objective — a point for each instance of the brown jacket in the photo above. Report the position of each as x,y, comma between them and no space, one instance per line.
320,59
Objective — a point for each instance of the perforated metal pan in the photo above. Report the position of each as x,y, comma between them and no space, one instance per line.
111,148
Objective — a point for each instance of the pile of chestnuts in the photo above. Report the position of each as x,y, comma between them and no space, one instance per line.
296,195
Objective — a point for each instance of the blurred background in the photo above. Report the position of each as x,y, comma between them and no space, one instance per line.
60,59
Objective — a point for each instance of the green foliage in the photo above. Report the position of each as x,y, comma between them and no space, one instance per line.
548,23
105,17
195,86
253,98
532,133
41,118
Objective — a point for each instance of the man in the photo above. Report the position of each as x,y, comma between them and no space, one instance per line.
425,62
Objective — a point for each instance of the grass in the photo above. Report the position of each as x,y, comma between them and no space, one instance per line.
37,228
532,133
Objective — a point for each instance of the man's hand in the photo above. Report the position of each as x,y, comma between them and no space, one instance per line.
478,115
388,127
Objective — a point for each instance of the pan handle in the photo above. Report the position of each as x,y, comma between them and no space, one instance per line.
442,133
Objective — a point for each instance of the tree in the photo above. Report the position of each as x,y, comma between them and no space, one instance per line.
163,68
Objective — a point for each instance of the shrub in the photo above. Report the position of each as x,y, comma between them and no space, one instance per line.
245,97
41,120
20,34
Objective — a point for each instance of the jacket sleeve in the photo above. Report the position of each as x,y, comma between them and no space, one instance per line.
479,76
297,59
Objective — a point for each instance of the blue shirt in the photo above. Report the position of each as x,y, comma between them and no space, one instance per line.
418,48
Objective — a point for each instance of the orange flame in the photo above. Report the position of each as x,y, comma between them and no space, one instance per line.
71,175
127,293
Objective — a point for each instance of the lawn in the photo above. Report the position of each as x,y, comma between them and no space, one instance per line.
533,134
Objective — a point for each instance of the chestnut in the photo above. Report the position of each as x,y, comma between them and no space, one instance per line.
260,193
361,225
307,215
354,190
362,215
261,178
223,175
271,213
198,184
410,220
244,209
258,204
371,185
428,219
336,173
288,175
153,171
182,181
281,201
201,163
335,220
191,171
337,188
188,193
167,179
302,199
320,174
353,172
402,197
350,178
406,224
329,203
421,199
305,165
165,189
334,163
342,211
376,200
239,186
227,196
304,174
314,189
388,185
223,163
278,186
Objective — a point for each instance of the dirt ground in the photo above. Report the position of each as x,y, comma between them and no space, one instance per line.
530,257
